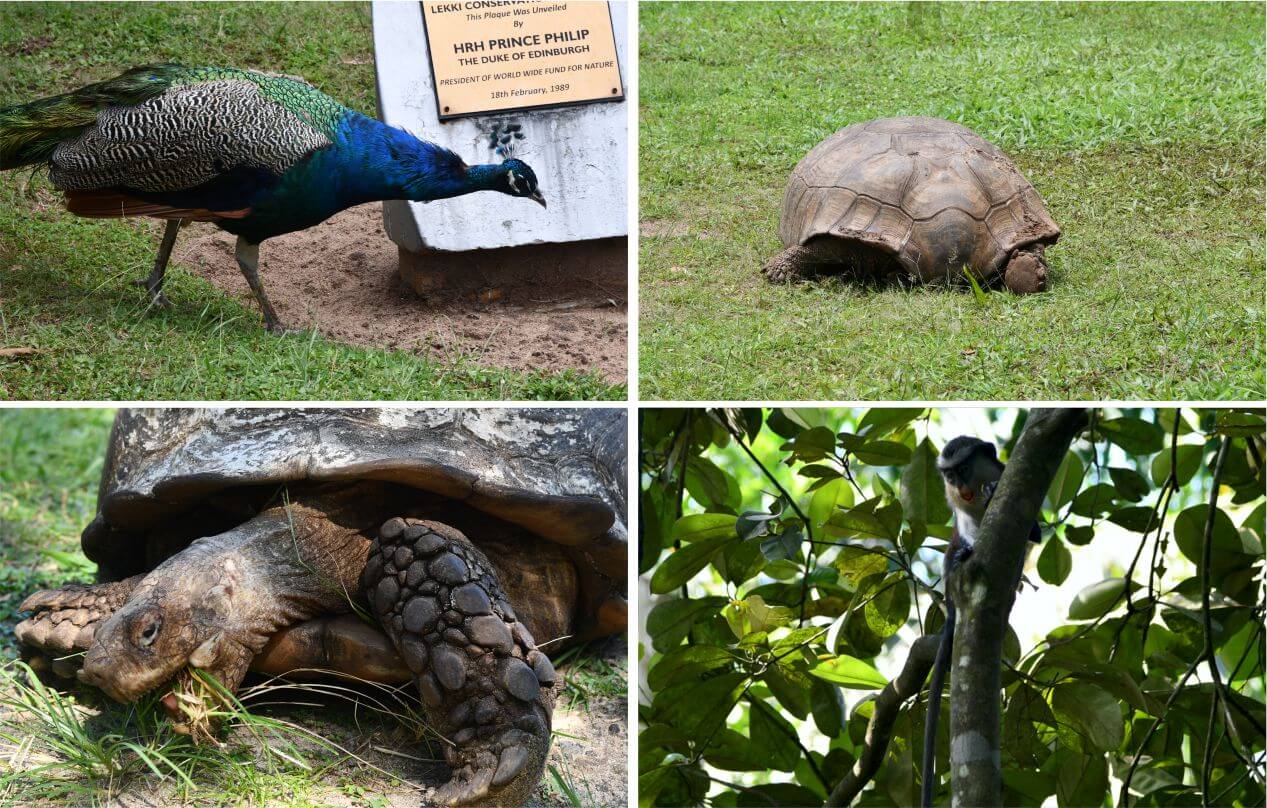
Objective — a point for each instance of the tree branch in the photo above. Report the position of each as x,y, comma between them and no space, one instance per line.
984,590
880,728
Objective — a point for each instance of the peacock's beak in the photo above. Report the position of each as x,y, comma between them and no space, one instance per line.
539,199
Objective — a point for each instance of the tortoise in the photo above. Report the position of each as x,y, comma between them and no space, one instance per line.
916,199
481,540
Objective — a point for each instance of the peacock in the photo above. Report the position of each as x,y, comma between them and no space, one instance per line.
258,154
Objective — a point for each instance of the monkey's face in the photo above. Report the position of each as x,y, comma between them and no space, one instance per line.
970,478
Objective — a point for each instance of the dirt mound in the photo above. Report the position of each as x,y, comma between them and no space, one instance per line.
341,278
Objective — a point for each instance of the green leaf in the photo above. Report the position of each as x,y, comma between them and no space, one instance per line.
1098,598
847,671
883,453
1079,535
1130,484
1135,435
781,425
1190,536
669,622
881,421
752,524
1189,462
709,485
856,564
682,565
823,504
1095,501
861,521
752,615
733,752
1138,519
1093,715
740,561
828,708
1055,562
770,732
922,495
703,526
696,707
685,662
888,610
1064,486
790,685
1239,424
783,546
811,445
1082,780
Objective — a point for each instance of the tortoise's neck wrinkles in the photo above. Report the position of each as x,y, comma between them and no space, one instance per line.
288,564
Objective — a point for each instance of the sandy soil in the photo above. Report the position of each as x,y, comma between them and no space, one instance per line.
341,278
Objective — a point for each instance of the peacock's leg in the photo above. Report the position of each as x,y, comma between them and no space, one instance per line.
153,282
485,686
248,256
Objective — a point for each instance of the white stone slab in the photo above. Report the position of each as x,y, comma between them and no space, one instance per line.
578,153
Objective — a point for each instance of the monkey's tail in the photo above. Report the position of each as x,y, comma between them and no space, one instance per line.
935,687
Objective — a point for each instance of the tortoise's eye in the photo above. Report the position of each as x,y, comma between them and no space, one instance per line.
149,631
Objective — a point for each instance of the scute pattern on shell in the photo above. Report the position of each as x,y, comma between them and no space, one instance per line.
932,193
484,686
187,136
487,457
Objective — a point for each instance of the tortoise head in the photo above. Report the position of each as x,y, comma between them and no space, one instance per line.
172,620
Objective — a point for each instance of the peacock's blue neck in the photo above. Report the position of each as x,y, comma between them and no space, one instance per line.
484,177
368,161
372,161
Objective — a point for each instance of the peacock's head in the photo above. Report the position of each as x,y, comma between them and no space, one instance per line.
517,179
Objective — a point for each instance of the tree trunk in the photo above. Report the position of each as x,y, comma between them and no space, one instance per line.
984,591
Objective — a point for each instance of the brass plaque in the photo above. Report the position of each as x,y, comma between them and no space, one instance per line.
499,55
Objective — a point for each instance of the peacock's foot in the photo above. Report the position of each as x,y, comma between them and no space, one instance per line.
64,621
484,685
157,299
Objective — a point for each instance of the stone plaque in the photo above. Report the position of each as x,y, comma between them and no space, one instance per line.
498,55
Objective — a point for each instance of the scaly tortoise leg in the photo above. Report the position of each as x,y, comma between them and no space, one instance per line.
64,621
485,686
800,263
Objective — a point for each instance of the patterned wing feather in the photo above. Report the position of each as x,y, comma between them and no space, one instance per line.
185,137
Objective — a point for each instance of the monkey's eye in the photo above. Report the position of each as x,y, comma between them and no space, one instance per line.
149,632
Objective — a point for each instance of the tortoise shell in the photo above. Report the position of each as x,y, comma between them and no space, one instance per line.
932,194
557,474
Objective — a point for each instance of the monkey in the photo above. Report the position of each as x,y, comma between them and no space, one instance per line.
970,469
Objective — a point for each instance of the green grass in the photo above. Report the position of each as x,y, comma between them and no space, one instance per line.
1141,125
66,283
50,462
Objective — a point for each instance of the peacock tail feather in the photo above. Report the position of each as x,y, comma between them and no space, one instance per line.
169,127
29,133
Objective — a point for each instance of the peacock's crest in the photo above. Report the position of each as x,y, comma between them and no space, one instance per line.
502,139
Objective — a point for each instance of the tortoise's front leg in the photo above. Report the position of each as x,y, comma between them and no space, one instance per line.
64,621
800,263
485,686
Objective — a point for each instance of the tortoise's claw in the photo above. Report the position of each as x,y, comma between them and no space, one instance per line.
483,682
